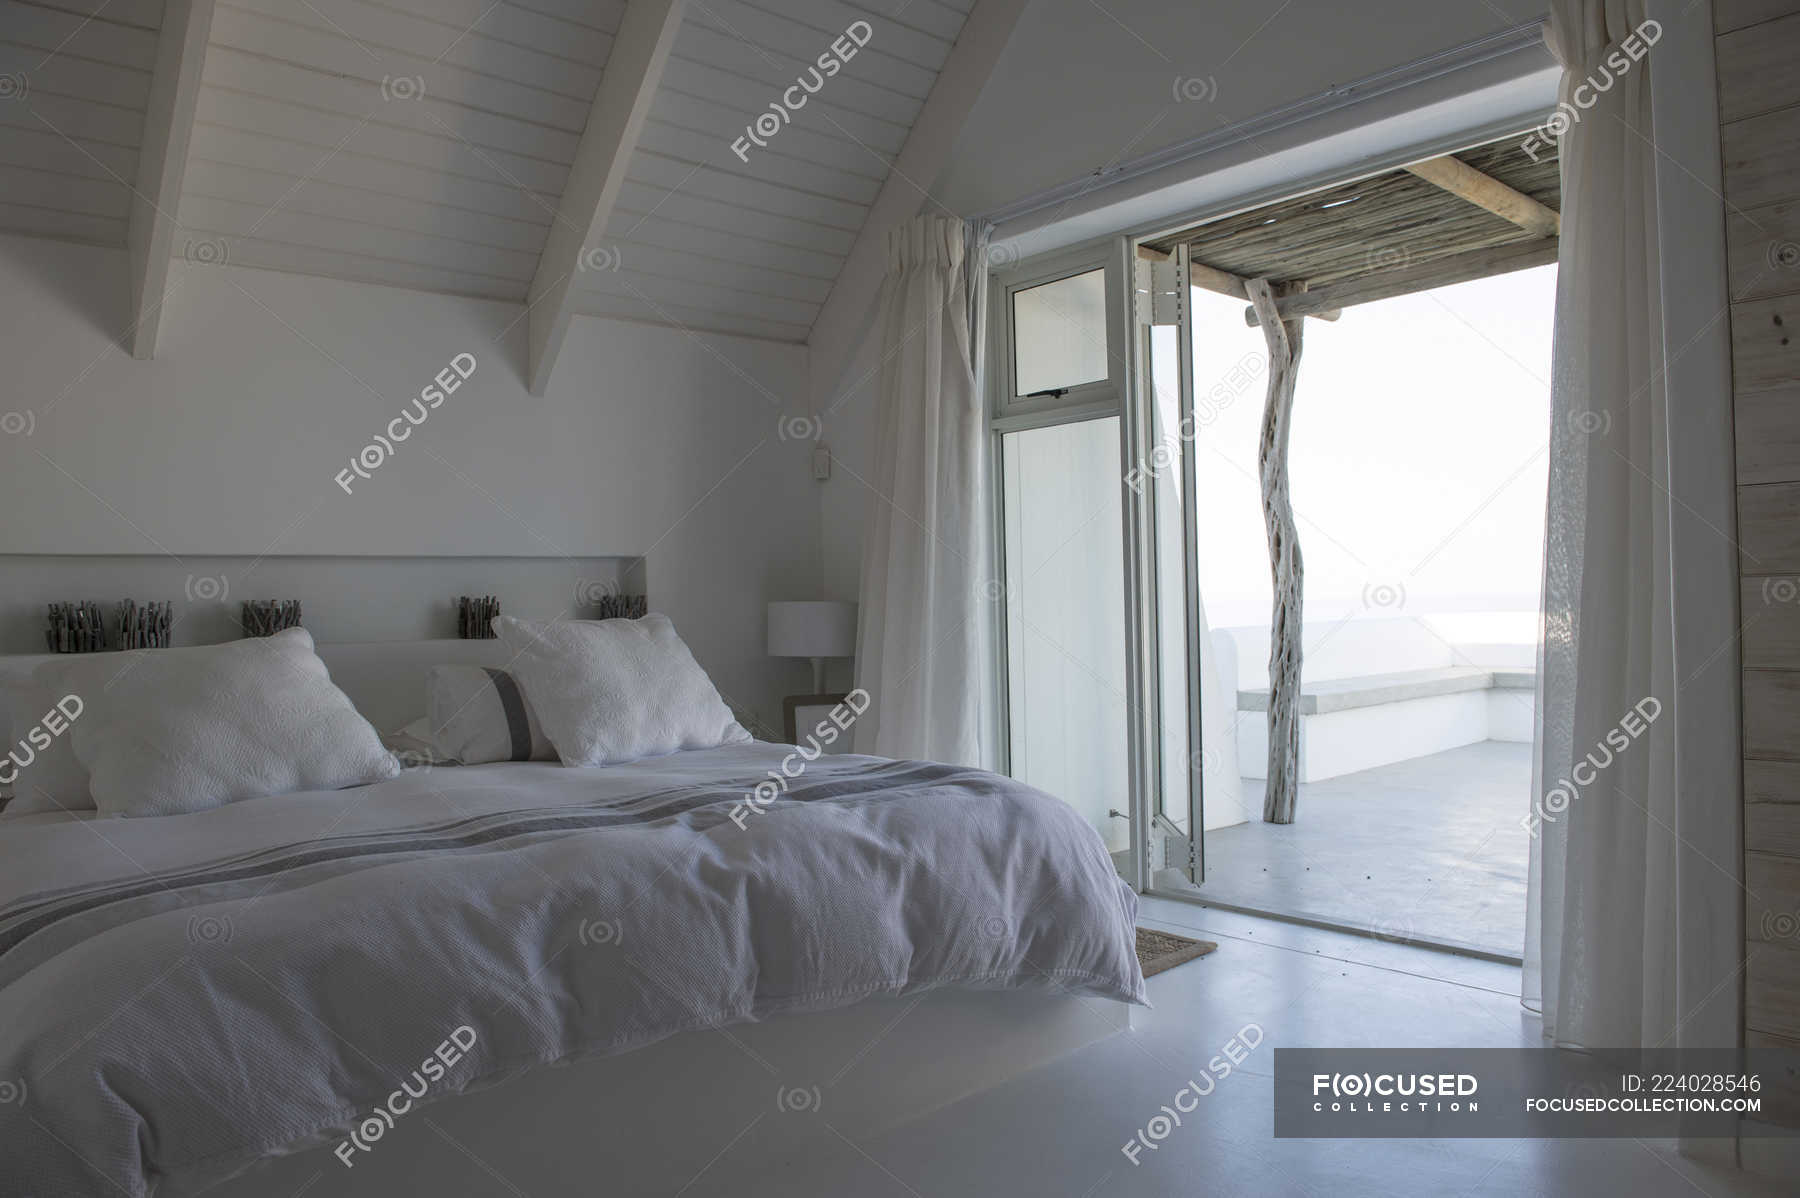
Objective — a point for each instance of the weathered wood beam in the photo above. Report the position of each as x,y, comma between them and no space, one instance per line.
1483,190
1442,272
1281,791
1223,282
162,161
615,120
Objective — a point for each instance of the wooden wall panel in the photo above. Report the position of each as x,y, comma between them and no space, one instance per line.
1772,715
1759,68
1768,436
1763,251
1769,528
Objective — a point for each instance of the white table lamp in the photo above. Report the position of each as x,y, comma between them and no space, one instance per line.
817,630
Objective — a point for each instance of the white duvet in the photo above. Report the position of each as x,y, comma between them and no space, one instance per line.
182,995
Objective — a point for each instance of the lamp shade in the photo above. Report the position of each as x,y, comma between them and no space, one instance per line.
816,629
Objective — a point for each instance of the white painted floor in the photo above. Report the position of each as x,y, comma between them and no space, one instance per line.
1059,1130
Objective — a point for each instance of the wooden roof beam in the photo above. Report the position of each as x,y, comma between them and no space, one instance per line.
1460,179
1211,278
615,120
1442,272
162,161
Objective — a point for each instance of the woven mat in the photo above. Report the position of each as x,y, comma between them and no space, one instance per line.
1157,951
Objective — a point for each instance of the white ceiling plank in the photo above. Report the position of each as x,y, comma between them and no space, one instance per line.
145,14
235,221
936,19
67,193
79,119
928,149
65,33
249,72
711,182
633,71
267,189
45,150
587,40
849,90
385,30
67,75
168,125
721,124
746,97
901,58
770,166
61,225
336,55
352,167
601,14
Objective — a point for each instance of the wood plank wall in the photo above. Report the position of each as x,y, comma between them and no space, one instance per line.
1758,48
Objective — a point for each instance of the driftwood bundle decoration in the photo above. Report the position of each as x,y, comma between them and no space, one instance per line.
76,628
475,617
145,627
266,617
1285,565
620,607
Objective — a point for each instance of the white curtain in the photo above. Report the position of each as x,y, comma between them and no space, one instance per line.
1603,940
923,644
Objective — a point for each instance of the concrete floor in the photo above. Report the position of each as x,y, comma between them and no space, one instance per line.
1429,848
1058,1130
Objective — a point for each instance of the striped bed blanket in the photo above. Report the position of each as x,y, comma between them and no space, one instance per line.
181,996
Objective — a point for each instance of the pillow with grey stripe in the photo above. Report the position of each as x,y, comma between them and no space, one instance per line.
479,714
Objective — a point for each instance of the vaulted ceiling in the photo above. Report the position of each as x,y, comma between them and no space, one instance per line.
428,143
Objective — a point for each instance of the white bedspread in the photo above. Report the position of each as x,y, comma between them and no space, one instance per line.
182,995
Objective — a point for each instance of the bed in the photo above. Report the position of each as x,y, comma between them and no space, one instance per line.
533,978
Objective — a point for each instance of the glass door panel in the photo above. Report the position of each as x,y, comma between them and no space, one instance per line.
1065,620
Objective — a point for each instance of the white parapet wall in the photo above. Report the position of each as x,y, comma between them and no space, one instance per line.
1378,691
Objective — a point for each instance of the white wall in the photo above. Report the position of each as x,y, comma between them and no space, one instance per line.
650,441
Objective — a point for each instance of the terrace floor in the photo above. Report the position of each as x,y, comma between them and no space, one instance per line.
1428,849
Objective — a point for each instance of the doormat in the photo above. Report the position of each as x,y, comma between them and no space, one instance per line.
1157,951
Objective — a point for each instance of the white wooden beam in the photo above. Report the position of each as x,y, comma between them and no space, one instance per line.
616,119
1484,191
162,160
849,309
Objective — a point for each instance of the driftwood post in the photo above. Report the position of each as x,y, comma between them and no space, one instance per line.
1283,338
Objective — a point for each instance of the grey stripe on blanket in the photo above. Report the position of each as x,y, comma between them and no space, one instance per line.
703,806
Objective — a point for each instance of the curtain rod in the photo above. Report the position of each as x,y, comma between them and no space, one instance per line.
1332,99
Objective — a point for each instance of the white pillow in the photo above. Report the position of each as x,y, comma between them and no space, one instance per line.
50,778
476,714
616,690
167,731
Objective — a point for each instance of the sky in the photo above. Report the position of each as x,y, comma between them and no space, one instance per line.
1418,460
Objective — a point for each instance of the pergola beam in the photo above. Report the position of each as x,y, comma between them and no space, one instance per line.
1442,272
615,120
168,128
1483,190
1211,278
